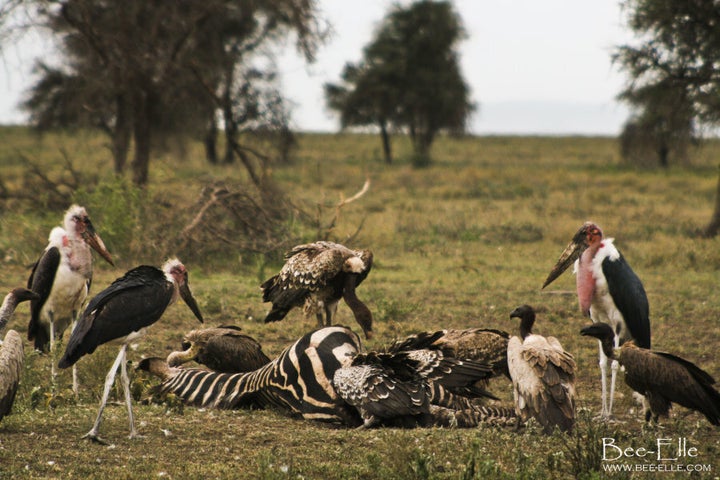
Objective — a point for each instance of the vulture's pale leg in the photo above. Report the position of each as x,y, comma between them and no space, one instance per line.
319,313
330,311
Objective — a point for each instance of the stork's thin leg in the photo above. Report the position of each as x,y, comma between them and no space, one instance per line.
53,359
603,383
128,399
109,380
74,367
613,375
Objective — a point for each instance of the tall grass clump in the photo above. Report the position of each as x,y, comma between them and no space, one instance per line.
479,466
582,448
271,467
407,461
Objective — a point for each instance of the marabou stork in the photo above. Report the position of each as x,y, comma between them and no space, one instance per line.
661,377
316,276
123,311
222,349
62,277
11,350
610,292
543,376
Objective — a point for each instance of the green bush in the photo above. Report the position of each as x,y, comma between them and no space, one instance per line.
117,208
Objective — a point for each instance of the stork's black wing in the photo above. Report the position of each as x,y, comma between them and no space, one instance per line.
41,281
629,295
129,304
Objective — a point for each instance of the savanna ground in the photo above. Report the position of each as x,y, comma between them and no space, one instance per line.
457,244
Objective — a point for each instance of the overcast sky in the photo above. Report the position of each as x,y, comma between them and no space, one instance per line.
534,67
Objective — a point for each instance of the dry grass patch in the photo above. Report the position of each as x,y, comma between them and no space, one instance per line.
457,244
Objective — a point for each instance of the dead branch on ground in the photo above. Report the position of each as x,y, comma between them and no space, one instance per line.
324,231
231,217
44,187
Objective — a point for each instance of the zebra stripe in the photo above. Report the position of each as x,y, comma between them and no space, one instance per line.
298,380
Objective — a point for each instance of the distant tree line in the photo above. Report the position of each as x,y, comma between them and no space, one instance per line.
151,72
148,71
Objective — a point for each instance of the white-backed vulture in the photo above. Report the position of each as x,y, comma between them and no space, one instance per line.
661,377
543,376
316,276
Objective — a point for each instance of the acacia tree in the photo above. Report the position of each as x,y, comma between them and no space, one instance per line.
139,69
409,78
678,47
246,95
662,128
364,99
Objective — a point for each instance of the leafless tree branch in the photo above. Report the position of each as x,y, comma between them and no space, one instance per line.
324,232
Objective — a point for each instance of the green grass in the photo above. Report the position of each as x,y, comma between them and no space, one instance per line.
459,243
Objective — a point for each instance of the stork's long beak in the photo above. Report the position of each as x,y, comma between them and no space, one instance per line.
93,239
189,300
571,253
